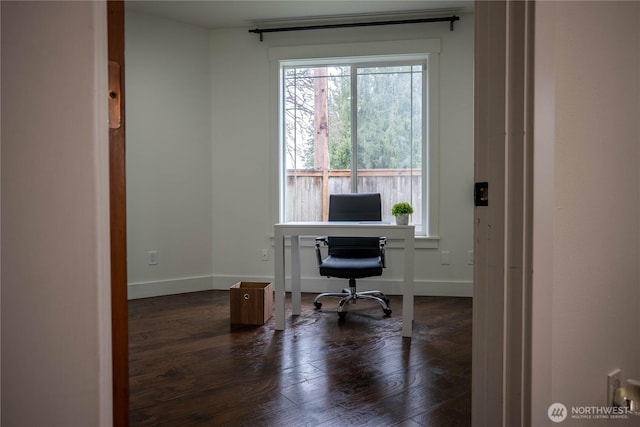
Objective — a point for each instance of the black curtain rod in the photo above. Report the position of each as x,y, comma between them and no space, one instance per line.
450,19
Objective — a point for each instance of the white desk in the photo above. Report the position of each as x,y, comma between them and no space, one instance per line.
354,229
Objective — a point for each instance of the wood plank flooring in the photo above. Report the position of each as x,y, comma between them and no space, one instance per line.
189,367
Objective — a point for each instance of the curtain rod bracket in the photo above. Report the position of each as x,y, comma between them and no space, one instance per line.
450,19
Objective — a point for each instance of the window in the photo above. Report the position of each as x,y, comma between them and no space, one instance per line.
358,124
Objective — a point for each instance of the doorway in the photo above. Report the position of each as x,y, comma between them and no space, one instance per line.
486,363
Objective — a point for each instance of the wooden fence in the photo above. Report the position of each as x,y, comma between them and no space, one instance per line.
308,190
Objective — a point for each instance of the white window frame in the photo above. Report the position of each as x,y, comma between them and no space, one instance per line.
426,50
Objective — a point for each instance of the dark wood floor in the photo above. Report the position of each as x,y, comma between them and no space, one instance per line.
189,367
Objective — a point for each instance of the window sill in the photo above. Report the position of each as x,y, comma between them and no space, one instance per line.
427,242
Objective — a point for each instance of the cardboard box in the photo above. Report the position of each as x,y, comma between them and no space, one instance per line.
251,303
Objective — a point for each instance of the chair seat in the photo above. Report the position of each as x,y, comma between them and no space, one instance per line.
351,268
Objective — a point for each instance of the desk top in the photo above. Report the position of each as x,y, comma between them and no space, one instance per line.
350,228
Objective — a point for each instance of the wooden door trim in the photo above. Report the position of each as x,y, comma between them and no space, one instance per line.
118,227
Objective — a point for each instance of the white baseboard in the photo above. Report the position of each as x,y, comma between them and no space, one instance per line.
169,287
309,284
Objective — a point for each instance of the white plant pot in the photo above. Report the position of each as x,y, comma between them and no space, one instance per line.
402,219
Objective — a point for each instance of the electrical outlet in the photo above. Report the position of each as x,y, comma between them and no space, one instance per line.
445,258
469,257
153,257
613,383
265,254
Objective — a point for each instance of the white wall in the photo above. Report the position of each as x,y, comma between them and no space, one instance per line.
56,341
586,290
245,155
168,110
201,160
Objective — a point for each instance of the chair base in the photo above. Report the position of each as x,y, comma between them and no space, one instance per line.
350,295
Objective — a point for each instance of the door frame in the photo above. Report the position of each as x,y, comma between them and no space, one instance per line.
501,383
118,224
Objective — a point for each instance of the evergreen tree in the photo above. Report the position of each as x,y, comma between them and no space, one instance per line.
389,113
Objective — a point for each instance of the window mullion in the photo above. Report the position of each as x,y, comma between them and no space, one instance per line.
354,129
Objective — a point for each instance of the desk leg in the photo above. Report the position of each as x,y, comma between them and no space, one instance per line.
279,278
295,276
408,291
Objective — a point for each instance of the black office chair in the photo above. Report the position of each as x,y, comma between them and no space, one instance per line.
353,257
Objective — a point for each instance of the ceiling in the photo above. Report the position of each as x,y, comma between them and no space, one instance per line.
240,13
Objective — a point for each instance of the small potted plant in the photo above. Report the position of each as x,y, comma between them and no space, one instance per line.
402,211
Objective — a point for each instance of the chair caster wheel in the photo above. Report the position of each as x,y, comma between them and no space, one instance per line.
387,312
342,315
318,304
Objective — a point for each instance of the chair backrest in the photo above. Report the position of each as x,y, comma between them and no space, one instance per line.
355,207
